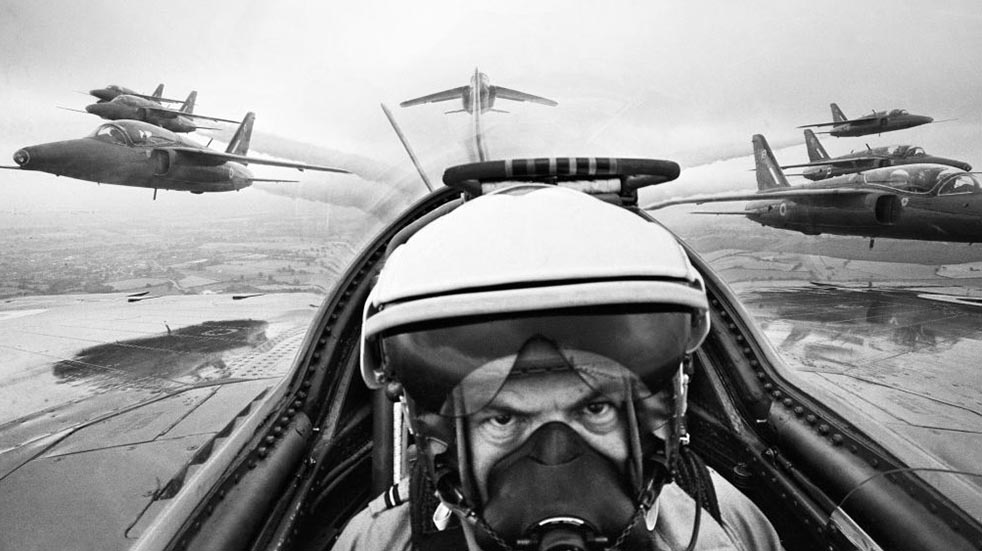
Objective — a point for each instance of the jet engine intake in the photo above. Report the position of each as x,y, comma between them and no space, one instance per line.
886,208
162,160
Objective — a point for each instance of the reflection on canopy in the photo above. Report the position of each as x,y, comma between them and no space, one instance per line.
127,132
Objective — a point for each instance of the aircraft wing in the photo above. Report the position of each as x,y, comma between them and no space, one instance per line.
843,163
273,181
515,95
219,156
446,95
787,193
165,111
153,98
865,120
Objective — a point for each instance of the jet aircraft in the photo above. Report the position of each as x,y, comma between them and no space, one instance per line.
877,122
822,166
930,202
136,153
138,108
189,440
110,91
480,92
245,461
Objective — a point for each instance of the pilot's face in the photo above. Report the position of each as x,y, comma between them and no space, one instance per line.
524,404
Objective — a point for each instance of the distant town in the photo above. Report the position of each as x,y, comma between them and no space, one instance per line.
80,252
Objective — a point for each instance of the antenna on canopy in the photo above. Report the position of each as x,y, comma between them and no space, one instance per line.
405,144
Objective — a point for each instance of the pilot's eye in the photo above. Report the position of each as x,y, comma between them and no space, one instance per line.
598,408
501,429
502,420
599,417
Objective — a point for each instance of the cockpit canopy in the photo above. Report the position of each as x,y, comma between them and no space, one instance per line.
897,112
134,133
900,150
922,178
959,183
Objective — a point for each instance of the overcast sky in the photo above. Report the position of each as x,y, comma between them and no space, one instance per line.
685,80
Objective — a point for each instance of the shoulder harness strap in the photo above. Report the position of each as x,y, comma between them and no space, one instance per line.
695,480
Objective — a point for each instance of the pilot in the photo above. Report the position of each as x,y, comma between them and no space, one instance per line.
539,345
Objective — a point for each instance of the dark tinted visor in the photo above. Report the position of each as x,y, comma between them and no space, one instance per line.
613,353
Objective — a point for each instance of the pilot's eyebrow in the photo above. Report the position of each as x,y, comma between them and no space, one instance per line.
502,406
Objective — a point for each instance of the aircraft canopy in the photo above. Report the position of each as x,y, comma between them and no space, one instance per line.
127,132
958,184
919,178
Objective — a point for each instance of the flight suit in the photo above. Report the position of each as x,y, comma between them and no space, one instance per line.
385,523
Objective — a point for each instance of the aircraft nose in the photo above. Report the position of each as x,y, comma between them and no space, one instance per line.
94,108
22,157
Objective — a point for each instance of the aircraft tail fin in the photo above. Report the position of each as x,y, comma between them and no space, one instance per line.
837,114
769,173
816,152
159,92
240,141
188,106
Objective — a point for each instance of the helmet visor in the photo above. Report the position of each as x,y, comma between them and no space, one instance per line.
612,353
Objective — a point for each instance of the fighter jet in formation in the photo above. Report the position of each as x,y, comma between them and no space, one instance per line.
822,166
480,94
138,108
876,123
110,91
929,202
136,153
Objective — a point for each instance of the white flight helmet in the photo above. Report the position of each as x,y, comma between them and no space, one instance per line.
552,248
475,287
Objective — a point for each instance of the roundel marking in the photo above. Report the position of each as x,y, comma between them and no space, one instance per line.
783,209
904,201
